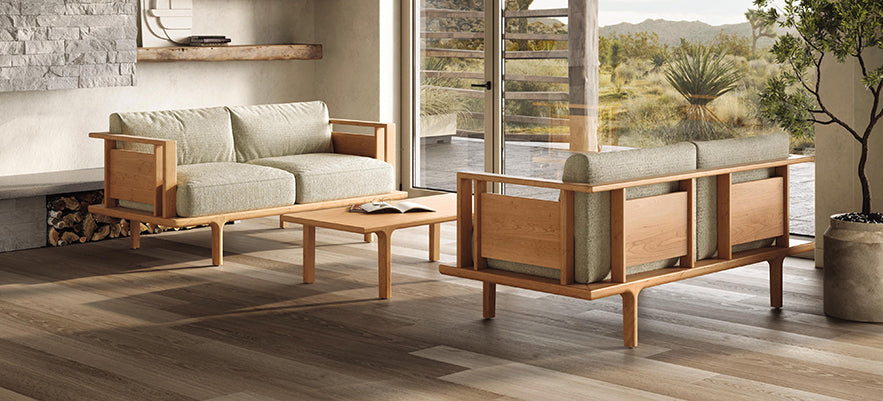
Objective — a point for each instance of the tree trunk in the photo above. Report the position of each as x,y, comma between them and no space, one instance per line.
863,178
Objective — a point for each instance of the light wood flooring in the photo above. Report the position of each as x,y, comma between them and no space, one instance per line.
101,322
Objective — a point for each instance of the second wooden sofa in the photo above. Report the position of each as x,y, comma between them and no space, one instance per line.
181,168
630,220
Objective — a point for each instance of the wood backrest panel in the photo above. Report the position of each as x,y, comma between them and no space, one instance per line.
656,228
521,230
134,177
357,144
757,209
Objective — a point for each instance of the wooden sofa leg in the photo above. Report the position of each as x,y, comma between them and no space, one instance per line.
489,302
281,223
369,237
217,242
630,318
135,234
776,282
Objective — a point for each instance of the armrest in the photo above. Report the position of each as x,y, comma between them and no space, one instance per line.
130,138
528,181
149,178
380,145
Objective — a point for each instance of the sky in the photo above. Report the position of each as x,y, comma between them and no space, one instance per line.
714,12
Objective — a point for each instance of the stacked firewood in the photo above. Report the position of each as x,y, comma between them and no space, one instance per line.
71,223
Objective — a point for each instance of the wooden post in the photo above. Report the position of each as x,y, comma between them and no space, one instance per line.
309,260
584,76
464,222
566,224
384,264
724,218
217,242
489,300
618,235
134,234
776,282
434,241
630,318
784,240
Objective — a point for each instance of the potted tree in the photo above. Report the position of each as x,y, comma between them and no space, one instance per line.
845,31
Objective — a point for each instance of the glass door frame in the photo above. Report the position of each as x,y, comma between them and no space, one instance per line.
493,98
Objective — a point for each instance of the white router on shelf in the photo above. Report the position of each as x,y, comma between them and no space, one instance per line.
165,22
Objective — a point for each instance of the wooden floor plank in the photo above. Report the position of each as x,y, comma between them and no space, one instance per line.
99,321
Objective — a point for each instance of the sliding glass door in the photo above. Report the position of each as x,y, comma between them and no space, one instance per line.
504,87
450,134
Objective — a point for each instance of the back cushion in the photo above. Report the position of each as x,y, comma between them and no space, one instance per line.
202,135
592,211
274,130
727,152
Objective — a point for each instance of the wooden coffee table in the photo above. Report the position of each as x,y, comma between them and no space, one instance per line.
381,224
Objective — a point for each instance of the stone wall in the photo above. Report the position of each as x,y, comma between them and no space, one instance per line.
67,44
22,223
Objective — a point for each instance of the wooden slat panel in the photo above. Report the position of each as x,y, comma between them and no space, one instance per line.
445,13
757,210
552,12
521,230
657,228
133,176
356,144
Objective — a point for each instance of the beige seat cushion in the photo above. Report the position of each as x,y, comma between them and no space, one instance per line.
327,176
201,135
274,130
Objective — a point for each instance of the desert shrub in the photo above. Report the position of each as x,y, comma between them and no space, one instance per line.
701,75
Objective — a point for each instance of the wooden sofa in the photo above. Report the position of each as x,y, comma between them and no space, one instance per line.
644,240
144,173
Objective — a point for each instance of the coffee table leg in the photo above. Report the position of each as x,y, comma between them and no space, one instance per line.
384,264
309,254
434,234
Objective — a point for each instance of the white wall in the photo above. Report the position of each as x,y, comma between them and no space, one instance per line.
837,154
359,73
47,131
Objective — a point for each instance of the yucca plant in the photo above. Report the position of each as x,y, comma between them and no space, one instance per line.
700,75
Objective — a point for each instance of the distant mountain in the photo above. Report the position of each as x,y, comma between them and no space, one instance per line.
671,32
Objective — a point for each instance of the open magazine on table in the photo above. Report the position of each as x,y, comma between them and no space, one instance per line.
385,207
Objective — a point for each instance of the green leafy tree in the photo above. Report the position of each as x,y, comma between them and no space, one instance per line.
734,45
825,29
701,76
760,27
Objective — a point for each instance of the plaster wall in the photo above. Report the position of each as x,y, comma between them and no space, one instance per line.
837,153
47,131
359,74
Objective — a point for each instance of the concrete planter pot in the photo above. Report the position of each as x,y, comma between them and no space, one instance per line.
438,128
853,288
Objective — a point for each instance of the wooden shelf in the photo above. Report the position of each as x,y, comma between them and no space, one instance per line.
231,53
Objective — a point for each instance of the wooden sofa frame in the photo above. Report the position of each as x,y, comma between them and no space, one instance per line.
540,233
151,178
